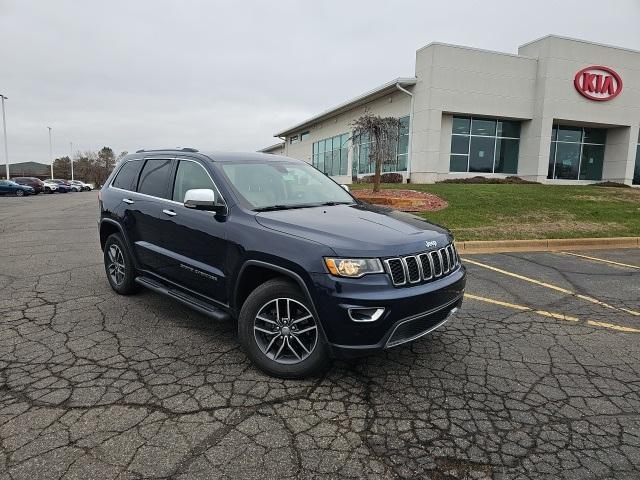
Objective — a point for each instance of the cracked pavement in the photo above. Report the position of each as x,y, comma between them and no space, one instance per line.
95,385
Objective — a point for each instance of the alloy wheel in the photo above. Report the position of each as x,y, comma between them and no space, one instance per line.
19,193
285,331
116,265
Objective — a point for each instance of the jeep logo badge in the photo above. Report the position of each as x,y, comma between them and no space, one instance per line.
431,243
598,83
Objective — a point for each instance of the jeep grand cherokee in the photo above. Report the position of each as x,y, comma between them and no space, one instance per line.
308,271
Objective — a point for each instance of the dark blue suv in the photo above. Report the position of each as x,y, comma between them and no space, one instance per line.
308,271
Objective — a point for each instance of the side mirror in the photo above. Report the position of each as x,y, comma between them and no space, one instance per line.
204,199
346,187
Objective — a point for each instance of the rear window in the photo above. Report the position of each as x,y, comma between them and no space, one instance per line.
154,177
127,175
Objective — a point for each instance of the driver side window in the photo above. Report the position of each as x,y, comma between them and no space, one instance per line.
189,176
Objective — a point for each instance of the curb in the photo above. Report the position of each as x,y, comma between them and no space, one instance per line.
498,246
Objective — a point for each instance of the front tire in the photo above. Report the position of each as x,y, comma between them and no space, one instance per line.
19,193
119,267
279,332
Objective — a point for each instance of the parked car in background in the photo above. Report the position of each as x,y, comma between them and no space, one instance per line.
11,187
57,186
49,186
67,183
32,182
83,186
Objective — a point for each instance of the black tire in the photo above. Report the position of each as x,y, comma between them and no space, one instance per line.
121,274
19,193
310,361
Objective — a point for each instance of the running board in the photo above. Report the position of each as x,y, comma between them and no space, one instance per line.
184,298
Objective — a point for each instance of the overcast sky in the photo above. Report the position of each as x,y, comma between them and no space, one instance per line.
228,75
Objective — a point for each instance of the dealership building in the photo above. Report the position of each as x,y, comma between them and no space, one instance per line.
560,111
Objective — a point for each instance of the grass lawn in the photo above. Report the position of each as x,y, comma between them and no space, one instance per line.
499,212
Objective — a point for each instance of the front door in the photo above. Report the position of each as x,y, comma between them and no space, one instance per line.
195,238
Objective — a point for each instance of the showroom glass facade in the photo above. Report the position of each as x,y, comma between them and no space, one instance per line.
362,149
636,171
577,153
331,155
484,145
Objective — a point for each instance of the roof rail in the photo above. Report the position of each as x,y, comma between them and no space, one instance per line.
185,149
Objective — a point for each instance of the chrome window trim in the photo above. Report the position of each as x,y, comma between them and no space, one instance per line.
110,186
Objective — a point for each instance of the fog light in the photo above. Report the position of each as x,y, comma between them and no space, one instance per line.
365,314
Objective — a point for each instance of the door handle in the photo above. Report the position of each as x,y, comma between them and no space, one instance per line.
171,213
127,200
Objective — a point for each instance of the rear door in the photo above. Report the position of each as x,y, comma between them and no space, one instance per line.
149,226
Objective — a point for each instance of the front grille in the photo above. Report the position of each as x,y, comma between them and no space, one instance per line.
422,267
396,270
413,271
416,327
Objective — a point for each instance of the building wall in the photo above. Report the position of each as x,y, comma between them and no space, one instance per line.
396,104
468,81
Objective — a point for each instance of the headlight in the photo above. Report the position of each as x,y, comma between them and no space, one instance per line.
353,267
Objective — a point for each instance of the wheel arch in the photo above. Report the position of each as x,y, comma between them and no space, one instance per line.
109,227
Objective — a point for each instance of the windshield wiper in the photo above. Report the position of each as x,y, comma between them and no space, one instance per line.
271,208
331,204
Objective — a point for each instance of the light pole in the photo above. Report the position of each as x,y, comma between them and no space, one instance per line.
4,126
50,152
71,160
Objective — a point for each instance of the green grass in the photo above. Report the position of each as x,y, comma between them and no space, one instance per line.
497,212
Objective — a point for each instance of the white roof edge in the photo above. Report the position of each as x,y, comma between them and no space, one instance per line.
475,49
403,81
271,147
589,42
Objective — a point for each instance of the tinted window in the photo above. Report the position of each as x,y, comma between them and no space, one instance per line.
190,175
127,175
153,178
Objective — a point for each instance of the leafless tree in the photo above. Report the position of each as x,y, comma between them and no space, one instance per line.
383,134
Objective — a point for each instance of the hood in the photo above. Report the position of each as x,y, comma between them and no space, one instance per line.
358,230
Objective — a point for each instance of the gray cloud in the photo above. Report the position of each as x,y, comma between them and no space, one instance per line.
227,75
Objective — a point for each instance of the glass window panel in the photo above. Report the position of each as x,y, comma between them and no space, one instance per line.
461,125
567,161
481,154
552,159
507,156
190,176
459,144
335,168
481,126
636,171
507,128
402,162
154,178
591,164
569,134
554,132
320,146
128,175
403,144
458,163
328,162
595,135
304,136
320,164
344,160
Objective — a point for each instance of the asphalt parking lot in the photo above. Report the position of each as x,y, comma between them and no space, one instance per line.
537,377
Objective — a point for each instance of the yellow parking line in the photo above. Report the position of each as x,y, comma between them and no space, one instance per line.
557,316
552,287
595,259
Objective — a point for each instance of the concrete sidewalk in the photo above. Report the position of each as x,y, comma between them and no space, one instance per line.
497,246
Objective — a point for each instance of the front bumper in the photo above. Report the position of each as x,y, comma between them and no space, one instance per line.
409,312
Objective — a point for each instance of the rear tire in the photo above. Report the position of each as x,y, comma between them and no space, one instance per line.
279,332
118,266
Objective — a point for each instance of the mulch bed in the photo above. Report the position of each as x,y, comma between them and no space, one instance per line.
402,199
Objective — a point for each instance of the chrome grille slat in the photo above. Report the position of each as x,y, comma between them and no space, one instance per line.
422,267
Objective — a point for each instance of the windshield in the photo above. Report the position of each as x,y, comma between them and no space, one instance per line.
282,184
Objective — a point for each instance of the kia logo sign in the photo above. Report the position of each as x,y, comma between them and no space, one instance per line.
598,83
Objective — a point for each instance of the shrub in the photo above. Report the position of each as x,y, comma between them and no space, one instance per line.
384,178
483,180
611,184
